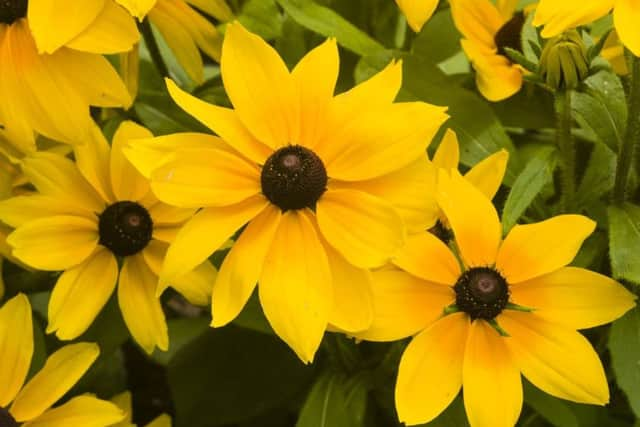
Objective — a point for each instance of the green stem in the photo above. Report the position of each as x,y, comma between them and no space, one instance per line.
566,146
631,136
152,47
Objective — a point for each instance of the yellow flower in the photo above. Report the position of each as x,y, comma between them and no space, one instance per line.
488,29
417,12
184,29
123,401
517,309
32,402
307,172
52,70
485,175
559,16
613,51
86,216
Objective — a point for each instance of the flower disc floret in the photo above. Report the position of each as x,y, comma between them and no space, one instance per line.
125,228
509,35
293,177
481,292
6,419
12,10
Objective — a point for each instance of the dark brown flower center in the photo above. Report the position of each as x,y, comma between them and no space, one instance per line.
11,11
6,419
481,292
294,177
125,228
510,34
441,232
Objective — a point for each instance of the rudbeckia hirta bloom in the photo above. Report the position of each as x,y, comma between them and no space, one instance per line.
307,173
488,29
52,68
31,404
83,219
559,16
123,400
184,29
510,307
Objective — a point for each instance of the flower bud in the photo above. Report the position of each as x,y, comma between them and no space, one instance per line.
563,63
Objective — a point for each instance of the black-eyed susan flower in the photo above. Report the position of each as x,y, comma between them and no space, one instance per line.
510,307
52,70
559,16
84,219
31,404
417,12
307,173
488,29
123,401
184,29
485,176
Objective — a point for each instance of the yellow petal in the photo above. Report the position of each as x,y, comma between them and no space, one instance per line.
472,217
555,359
477,20
92,160
80,293
295,285
16,346
55,243
203,31
137,8
259,87
113,31
126,181
430,372
223,121
166,215
574,297
85,411
139,305
532,250
491,380
197,285
383,140
447,155
506,8
416,203
57,176
427,257
20,210
404,305
417,11
487,174
625,19
219,9
53,26
558,17
243,266
61,372
124,402
364,229
316,75
189,249
163,420
352,309
205,177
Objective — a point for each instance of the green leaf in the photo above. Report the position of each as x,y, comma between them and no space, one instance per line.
624,345
334,401
601,108
232,374
453,416
527,186
599,177
262,17
182,331
440,27
624,241
555,411
325,21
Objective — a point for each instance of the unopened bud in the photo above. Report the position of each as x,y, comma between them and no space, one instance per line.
563,63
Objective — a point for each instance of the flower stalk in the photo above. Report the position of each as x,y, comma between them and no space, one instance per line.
566,146
631,136
152,47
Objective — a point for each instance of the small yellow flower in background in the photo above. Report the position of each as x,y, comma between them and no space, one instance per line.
485,175
512,308
613,51
184,29
52,70
417,12
559,16
123,401
32,402
488,29
307,172
86,216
